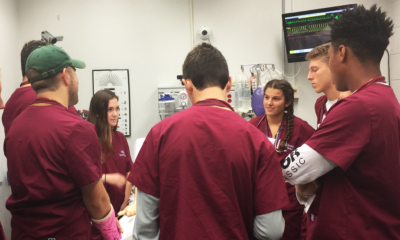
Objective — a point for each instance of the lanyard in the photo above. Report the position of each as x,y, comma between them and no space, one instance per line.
278,135
372,80
379,79
213,102
278,140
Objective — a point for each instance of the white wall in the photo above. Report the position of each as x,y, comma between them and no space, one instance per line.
395,49
244,31
305,105
10,79
150,38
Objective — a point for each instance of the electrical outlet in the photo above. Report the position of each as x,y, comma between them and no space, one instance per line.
296,91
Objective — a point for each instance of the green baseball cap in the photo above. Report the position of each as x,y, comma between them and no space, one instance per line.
49,61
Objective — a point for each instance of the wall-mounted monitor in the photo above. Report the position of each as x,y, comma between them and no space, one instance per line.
305,30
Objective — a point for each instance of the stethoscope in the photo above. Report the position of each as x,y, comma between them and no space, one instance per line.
379,79
324,112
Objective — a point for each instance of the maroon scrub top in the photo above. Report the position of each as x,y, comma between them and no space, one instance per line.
19,100
73,110
119,162
212,171
302,131
310,218
360,198
51,154
320,108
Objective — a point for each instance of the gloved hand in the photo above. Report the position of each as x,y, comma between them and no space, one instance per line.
308,189
129,210
107,226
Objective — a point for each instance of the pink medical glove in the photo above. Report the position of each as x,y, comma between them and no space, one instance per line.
107,226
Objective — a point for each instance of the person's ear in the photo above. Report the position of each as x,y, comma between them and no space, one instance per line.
189,88
343,53
229,84
64,77
188,85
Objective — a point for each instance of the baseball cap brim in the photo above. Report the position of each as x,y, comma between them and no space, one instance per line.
78,64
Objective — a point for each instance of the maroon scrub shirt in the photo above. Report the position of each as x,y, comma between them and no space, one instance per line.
310,218
320,108
19,100
51,154
302,131
360,198
118,162
2,236
212,171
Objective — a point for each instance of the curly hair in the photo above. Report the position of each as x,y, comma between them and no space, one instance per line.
365,32
288,93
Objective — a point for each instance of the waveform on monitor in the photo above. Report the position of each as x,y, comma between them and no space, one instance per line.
288,22
297,38
308,29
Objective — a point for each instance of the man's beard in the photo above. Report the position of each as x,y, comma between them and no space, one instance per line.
72,96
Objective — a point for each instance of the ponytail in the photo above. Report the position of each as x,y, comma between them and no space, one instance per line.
289,128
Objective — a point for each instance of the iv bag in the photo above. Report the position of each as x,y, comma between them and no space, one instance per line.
242,87
257,101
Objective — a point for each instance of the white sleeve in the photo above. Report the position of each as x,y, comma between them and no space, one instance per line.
304,165
146,226
269,226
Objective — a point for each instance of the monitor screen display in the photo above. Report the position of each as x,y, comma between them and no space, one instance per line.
306,30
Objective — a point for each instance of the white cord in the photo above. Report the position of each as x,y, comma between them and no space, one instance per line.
267,71
191,24
283,72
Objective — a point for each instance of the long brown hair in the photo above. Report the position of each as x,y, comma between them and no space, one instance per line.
98,116
288,93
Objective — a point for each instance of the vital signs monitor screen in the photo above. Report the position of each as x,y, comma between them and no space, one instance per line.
309,29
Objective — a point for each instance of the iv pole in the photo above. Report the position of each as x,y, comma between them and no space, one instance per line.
258,67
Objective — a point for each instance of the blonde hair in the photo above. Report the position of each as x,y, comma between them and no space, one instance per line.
319,51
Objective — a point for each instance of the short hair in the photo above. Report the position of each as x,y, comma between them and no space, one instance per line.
365,32
27,49
49,84
319,51
206,67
